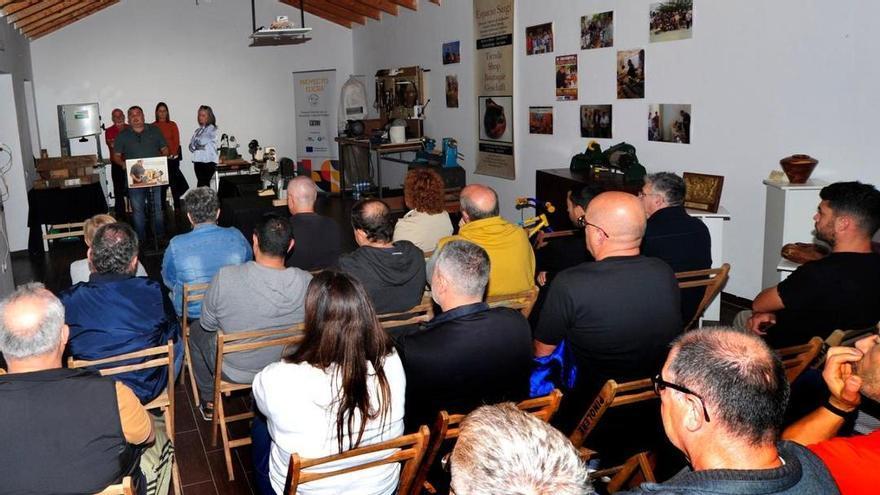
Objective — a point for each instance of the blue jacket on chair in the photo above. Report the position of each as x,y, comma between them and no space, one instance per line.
114,314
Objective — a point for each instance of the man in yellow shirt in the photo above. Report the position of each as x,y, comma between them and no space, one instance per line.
510,253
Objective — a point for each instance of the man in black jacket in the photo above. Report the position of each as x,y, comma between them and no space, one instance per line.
682,241
469,354
393,273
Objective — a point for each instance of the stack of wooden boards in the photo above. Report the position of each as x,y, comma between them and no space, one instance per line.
66,171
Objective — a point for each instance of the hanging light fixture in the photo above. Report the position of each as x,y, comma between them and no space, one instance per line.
287,35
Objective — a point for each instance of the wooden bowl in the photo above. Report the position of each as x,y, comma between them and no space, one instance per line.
798,167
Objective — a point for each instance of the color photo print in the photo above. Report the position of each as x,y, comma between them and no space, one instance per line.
671,20
451,52
596,121
494,111
631,74
451,91
540,120
567,78
539,39
669,123
597,31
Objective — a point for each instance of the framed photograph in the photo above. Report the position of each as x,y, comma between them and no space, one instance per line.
596,121
540,120
451,91
539,39
671,20
631,74
451,52
147,172
669,123
567,78
702,192
597,31
494,112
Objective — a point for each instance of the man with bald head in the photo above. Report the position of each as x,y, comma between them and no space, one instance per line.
510,252
617,314
64,430
318,238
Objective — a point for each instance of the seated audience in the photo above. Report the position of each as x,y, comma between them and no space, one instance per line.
257,295
501,449
64,431
838,291
672,235
343,388
723,395
556,254
427,221
318,238
850,373
393,273
513,261
80,269
115,312
469,354
617,315
195,257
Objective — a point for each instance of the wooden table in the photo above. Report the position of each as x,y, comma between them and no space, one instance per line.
379,151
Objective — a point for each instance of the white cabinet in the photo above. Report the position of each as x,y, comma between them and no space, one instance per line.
715,223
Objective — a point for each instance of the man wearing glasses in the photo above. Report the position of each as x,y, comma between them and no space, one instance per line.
618,315
723,395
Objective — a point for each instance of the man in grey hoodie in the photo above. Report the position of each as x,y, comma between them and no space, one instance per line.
393,273
258,295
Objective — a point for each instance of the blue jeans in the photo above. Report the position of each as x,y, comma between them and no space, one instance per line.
260,451
139,198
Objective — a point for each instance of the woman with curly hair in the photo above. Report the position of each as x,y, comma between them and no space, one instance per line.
427,221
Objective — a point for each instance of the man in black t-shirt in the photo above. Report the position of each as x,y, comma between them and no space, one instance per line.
618,316
838,291
318,238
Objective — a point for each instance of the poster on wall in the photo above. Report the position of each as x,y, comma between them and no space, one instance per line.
669,123
597,31
451,52
315,96
451,91
540,120
631,74
671,20
539,39
493,26
567,78
596,121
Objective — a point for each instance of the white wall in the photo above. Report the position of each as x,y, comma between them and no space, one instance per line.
766,79
140,53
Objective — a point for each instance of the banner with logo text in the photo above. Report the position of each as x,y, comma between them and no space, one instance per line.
315,96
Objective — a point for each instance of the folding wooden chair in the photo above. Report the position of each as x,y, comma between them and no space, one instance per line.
611,395
637,469
191,293
153,357
124,488
419,313
447,427
523,301
242,342
797,358
712,279
410,450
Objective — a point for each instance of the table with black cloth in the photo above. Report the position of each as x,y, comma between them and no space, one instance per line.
244,212
61,205
238,185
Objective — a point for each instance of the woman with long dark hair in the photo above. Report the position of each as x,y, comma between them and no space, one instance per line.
342,388
204,146
171,133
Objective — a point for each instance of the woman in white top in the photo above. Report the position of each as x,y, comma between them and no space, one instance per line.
343,388
203,146
80,269
427,221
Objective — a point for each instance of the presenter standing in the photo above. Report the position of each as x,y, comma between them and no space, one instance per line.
203,146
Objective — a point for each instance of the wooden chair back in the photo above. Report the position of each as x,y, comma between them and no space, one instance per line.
124,488
797,358
191,293
712,279
228,343
611,395
637,469
522,301
447,427
419,313
410,449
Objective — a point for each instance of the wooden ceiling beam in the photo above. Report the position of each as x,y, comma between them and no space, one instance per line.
358,8
37,12
311,9
386,6
343,12
410,4
14,6
82,15
65,9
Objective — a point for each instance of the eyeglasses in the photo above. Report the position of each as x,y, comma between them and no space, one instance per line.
600,229
642,194
660,384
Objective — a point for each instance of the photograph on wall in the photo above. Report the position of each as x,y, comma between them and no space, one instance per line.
671,20
540,120
451,91
451,52
597,31
596,121
147,172
567,77
539,39
494,122
631,74
669,123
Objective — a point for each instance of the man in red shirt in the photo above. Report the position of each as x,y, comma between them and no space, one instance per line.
120,184
853,461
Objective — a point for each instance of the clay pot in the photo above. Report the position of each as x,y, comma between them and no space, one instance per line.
798,167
